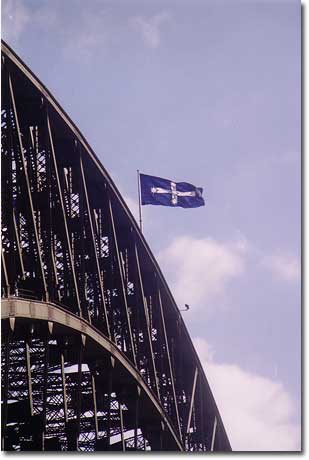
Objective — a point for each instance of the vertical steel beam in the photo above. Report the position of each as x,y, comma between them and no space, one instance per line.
18,246
162,435
121,428
192,399
64,216
169,362
81,242
53,263
52,270
64,390
7,284
202,414
95,409
45,387
147,322
110,382
5,390
136,420
79,390
28,371
122,282
94,246
213,435
37,243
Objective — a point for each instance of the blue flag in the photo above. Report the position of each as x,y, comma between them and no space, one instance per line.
165,192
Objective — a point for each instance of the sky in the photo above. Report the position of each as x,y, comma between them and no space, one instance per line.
206,92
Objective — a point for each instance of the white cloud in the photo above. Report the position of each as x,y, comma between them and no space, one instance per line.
282,266
97,28
91,36
79,41
15,17
256,411
150,28
200,269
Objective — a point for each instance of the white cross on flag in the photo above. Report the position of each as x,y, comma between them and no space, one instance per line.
164,192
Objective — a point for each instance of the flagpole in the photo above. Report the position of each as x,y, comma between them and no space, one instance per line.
139,201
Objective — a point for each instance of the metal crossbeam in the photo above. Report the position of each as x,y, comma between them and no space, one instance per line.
68,242
124,294
25,175
94,247
169,363
147,323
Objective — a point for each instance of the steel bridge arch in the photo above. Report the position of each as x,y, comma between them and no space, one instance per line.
95,354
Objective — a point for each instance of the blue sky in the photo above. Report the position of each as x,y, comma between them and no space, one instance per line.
206,92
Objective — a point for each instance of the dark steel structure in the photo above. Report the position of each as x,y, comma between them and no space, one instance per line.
95,354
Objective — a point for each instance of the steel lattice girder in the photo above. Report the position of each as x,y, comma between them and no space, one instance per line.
95,354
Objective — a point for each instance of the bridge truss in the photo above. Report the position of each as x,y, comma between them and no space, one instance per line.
95,354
